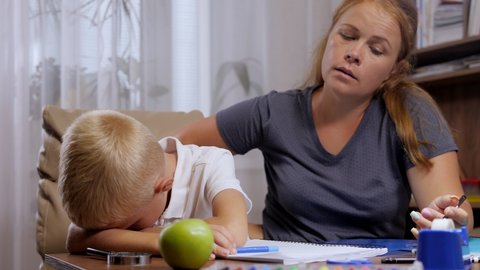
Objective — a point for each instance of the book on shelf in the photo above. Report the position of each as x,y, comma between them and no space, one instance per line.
426,10
472,61
458,64
438,69
474,18
295,252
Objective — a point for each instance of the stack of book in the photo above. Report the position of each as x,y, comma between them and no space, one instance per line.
472,61
448,21
439,21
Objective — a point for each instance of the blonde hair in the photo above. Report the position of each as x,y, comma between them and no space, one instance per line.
395,89
108,164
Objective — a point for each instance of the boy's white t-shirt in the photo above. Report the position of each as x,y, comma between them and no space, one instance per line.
201,173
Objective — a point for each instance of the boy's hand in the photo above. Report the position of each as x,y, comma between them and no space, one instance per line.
224,242
228,222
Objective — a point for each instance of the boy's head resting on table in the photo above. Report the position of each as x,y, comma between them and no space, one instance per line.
112,172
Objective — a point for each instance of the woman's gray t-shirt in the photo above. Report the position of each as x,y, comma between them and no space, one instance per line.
313,195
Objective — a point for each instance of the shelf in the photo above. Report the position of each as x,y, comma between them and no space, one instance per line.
447,51
467,75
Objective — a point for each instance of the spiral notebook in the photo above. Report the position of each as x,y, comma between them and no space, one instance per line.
296,252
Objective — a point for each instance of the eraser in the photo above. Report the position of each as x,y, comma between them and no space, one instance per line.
443,224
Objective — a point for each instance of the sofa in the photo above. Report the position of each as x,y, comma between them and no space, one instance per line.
52,221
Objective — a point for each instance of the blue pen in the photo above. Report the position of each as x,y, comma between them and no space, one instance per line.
350,262
255,249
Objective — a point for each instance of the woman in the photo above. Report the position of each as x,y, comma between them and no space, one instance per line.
343,155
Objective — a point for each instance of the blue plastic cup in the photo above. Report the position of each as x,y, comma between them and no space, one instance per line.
440,250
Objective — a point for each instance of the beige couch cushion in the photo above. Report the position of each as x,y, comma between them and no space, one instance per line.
52,221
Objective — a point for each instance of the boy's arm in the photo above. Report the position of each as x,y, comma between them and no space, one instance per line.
78,240
229,221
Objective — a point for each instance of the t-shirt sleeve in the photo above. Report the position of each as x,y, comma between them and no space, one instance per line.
431,128
222,176
241,124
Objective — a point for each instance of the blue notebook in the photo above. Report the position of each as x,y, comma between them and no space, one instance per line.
474,244
401,246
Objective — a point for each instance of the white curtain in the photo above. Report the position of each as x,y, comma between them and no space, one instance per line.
126,54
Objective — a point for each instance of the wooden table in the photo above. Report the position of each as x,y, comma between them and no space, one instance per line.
80,262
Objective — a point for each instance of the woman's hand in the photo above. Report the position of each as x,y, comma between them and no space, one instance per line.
442,206
433,190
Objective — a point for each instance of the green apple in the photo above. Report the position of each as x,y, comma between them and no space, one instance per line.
186,244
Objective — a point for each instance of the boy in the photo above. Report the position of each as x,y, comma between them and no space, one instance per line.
119,186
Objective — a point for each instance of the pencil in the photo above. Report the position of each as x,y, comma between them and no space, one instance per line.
462,199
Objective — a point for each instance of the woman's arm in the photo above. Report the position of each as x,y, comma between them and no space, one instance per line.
204,132
78,240
436,191
229,221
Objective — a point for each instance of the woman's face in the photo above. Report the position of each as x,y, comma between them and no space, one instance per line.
361,51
